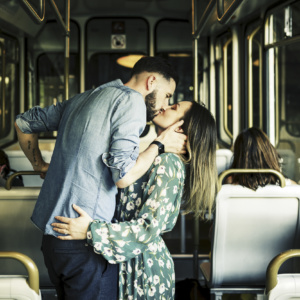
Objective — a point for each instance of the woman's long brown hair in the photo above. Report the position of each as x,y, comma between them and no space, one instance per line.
253,150
201,171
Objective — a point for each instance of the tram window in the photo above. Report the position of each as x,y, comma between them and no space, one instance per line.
9,86
109,39
224,88
254,42
283,66
173,42
49,47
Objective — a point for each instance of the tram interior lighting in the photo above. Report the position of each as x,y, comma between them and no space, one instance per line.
256,63
129,60
6,80
179,55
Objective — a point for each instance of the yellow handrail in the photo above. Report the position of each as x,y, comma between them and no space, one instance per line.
11,177
274,266
232,171
32,270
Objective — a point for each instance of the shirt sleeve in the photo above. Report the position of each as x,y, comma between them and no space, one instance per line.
122,241
127,124
39,119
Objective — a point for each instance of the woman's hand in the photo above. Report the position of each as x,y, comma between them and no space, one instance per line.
75,228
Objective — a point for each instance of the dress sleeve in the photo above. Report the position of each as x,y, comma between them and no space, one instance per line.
122,241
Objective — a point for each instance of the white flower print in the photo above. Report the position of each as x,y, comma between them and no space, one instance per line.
162,210
159,182
152,247
108,251
163,192
170,172
161,170
129,268
173,276
162,288
136,251
145,215
140,273
133,196
178,175
157,160
112,262
150,262
89,235
102,231
168,264
152,291
120,257
151,189
141,238
121,243
119,250
161,262
155,279
125,232
168,283
131,188
154,223
136,228
158,232
140,291
138,202
130,297
98,246
141,221
130,206
116,227
175,189
169,206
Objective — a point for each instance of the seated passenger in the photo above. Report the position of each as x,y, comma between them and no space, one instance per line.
253,150
150,206
6,171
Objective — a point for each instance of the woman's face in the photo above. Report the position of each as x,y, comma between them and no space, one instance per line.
172,114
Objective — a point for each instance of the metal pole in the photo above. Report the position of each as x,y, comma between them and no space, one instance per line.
67,48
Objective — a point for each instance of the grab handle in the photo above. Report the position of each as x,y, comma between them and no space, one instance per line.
11,177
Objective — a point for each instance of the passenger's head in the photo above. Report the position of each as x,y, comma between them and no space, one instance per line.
253,150
160,80
201,172
4,164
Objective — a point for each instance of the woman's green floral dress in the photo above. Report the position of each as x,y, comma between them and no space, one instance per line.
146,209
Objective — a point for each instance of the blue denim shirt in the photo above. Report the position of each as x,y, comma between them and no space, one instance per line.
97,144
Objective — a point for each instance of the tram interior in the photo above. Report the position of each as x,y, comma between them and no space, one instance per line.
247,75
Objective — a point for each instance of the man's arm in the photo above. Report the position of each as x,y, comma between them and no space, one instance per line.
29,145
173,141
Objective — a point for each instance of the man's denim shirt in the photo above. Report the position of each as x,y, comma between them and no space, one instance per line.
97,144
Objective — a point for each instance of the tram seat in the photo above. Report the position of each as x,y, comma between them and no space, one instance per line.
20,287
224,157
288,162
250,228
282,286
19,162
18,233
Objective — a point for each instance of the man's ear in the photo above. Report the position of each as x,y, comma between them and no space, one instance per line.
151,83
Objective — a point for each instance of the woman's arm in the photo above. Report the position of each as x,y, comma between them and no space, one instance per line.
122,241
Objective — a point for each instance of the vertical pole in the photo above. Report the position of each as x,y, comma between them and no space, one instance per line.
67,48
195,61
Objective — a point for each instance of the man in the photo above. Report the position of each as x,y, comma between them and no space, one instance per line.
96,151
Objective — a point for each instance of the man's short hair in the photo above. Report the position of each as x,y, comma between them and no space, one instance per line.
155,64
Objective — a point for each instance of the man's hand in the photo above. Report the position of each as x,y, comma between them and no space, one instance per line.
173,139
43,168
73,228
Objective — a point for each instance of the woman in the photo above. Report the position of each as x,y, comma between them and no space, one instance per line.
253,150
151,205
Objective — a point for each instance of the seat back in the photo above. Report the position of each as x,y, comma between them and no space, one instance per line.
224,157
19,162
18,233
251,227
